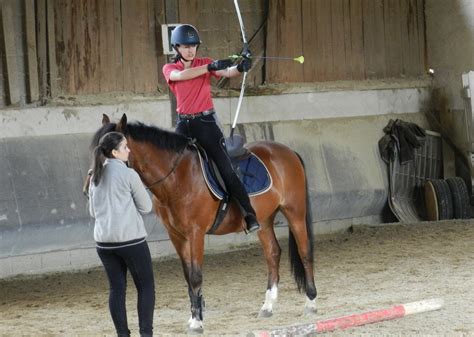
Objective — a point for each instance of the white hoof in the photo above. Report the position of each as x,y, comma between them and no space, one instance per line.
310,306
265,313
195,326
271,297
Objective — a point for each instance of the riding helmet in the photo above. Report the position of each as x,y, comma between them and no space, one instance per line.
185,34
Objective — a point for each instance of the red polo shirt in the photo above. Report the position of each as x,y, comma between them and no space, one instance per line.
192,96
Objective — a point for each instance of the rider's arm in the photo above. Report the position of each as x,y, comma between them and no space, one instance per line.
229,72
188,74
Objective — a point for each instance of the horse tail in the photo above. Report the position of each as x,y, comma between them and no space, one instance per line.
297,267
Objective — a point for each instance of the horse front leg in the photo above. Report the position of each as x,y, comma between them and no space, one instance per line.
195,322
272,252
191,253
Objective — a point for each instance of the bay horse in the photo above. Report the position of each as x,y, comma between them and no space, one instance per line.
170,168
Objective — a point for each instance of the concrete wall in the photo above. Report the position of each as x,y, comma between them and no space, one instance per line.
44,224
450,45
450,49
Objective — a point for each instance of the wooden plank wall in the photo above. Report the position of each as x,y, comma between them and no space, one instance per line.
219,29
115,45
346,39
11,56
107,46
93,47
32,62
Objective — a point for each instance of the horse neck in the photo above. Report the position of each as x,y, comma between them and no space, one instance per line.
151,163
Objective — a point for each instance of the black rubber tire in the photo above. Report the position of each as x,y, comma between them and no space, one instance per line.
445,200
460,196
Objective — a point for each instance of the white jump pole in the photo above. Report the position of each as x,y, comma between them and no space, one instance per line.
344,322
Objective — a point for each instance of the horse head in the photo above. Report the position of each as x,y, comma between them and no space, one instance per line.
105,119
121,125
107,126
145,142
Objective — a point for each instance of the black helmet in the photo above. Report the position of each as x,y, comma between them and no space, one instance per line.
184,34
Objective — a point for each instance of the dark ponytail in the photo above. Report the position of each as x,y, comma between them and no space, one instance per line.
107,143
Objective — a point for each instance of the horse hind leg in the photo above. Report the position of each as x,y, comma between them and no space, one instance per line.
301,253
272,252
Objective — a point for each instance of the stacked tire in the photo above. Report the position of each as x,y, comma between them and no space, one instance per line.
447,199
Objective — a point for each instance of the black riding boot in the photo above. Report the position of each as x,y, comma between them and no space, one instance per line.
252,223
209,135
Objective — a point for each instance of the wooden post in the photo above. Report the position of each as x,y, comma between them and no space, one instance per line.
10,51
33,91
42,49
52,65
171,16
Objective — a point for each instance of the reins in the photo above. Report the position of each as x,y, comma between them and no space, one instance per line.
175,165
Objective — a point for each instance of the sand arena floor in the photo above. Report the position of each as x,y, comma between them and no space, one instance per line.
371,268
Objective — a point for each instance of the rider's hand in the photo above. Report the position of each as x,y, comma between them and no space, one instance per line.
244,65
219,65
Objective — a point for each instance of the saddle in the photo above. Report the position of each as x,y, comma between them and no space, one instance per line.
250,169
235,146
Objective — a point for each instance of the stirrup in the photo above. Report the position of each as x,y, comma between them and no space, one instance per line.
254,228
252,225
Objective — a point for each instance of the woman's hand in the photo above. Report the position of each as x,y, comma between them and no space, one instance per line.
244,65
219,65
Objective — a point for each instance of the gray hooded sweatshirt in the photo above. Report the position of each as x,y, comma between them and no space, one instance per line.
117,204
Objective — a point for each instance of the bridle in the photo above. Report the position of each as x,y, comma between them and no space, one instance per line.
175,165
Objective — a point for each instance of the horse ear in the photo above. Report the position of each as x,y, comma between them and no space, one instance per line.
122,125
105,119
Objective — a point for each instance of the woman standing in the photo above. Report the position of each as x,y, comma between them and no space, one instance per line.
117,201
189,78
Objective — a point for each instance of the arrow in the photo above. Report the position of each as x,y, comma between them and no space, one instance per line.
299,59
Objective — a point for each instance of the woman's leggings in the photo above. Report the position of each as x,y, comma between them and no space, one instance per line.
137,259
209,135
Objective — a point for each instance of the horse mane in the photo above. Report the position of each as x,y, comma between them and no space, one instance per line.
163,139
141,132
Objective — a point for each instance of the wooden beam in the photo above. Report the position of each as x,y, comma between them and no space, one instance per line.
42,48
171,11
33,94
53,67
171,16
11,54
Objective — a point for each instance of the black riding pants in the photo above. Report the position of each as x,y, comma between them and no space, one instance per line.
208,134
137,259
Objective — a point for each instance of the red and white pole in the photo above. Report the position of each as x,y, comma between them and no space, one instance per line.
344,322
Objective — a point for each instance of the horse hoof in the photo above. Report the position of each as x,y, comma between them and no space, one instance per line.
195,331
194,327
310,307
265,313
310,311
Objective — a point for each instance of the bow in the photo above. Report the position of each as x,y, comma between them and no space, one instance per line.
245,53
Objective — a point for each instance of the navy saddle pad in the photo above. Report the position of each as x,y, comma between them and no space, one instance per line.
252,172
